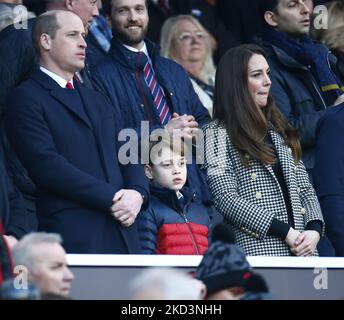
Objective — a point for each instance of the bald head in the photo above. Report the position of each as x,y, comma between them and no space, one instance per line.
85,9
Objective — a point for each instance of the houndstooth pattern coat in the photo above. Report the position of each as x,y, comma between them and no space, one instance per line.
250,197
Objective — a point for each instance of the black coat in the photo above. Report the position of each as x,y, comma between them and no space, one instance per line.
13,213
71,155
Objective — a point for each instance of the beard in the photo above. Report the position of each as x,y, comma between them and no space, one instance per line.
128,38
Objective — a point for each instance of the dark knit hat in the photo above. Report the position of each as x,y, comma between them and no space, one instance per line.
224,265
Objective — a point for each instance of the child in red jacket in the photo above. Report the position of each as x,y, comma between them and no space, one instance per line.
176,221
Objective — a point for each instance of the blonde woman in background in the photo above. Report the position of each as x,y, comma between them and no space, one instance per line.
184,40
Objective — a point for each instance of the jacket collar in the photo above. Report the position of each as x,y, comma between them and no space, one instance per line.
281,55
127,58
169,197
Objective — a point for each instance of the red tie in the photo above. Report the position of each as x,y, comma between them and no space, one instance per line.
69,86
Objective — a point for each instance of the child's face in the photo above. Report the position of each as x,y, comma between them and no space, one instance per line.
169,171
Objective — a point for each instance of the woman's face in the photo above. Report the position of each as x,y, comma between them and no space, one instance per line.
258,81
190,43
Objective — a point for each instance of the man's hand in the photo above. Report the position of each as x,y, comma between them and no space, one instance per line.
185,126
11,241
306,243
126,206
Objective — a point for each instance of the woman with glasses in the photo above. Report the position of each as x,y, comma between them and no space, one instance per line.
184,40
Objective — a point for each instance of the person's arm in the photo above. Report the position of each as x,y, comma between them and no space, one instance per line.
306,123
148,231
328,175
31,138
18,224
309,200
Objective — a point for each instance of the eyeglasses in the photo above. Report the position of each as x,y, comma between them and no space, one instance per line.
187,37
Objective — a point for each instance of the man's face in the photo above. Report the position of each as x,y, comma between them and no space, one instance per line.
51,273
293,16
86,10
130,21
66,52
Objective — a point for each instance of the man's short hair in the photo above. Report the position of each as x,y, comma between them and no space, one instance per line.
107,6
22,251
268,5
160,140
45,23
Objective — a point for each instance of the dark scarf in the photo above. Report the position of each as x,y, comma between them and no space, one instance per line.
309,54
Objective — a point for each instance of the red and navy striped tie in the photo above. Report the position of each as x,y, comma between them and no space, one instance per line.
157,93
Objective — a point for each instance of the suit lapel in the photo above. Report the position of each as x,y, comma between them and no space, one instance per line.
61,95
95,117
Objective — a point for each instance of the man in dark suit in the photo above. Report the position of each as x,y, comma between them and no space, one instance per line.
65,136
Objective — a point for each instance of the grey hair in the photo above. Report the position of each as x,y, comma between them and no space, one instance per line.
22,251
169,283
168,34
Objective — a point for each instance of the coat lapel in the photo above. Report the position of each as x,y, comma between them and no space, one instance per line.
284,155
95,117
61,95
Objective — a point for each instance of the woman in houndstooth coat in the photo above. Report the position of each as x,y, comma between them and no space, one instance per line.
252,159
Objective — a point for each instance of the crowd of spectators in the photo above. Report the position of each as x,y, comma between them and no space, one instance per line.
261,83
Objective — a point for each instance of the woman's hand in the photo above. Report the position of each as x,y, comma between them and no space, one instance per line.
306,243
291,237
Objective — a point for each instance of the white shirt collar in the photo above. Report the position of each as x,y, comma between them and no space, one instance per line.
60,81
143,49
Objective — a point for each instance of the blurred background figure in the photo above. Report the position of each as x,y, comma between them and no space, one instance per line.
333,35
98,38
9,14
186,41
205,11
36,6
42,254
165,284
226,272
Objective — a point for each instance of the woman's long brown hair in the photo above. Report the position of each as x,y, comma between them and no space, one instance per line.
246,124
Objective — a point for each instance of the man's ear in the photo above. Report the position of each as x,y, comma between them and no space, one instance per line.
69,4
45,41
270,18
148,171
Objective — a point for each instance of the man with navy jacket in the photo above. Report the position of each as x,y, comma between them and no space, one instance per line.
65,135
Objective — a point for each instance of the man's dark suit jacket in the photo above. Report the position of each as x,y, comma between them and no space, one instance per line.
67,141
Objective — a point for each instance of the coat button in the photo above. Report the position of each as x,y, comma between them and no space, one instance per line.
171,94
254,176
258,195
303,211
298,190
290,151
